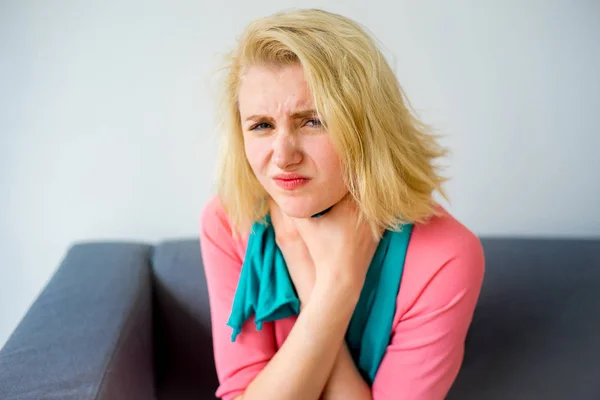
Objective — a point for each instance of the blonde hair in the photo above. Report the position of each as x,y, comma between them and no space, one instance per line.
387,153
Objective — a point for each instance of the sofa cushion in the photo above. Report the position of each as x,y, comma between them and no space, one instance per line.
536,329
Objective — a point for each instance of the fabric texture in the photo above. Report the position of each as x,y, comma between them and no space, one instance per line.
266,291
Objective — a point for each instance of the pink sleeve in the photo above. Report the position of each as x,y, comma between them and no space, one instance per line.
440,292
238,362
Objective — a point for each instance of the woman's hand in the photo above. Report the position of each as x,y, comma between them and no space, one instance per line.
333,249
298,260
340,247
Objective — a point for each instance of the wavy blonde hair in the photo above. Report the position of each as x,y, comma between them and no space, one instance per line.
387,153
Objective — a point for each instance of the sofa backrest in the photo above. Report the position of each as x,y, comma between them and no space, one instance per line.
182,335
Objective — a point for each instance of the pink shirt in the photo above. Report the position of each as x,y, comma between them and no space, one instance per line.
442,278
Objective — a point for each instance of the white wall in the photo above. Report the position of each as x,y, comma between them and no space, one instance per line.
106,117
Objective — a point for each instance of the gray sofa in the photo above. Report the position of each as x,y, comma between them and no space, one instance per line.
131,321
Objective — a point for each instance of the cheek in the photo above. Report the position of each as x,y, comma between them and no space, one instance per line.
327,161
256,153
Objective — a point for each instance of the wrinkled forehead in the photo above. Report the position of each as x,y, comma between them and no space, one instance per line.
276,90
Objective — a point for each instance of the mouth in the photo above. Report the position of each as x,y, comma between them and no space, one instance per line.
290,181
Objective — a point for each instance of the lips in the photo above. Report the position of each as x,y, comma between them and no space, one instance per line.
290,181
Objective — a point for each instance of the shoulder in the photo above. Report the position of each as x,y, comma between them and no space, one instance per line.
445,254
443,238
216,230
213,217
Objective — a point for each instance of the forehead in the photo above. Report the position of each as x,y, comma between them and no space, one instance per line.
273,90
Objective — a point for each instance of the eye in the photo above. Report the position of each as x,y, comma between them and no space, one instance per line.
260,127
316,123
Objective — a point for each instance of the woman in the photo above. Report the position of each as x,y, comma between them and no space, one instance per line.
325,187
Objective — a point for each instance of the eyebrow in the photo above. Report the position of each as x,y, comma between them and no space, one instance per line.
296,115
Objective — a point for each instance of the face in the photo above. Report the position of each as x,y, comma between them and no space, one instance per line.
286,145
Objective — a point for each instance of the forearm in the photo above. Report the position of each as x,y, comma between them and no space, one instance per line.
302,366
345,382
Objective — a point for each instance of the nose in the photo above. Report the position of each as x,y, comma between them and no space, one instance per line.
286,151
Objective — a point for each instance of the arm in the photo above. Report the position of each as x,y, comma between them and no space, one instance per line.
252,366
345,382
427,346
301,367
343,379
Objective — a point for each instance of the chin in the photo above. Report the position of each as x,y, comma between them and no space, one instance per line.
299,212
298,207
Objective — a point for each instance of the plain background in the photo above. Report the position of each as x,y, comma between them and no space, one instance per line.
107,127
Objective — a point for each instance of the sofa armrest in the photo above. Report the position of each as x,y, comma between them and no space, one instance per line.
89,333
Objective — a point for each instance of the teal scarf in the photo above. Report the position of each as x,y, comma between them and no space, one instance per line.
265,289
